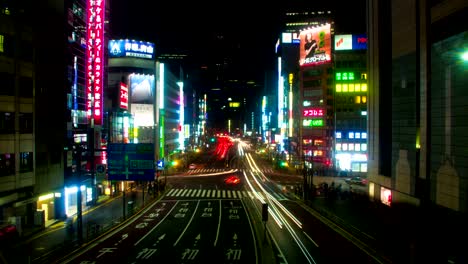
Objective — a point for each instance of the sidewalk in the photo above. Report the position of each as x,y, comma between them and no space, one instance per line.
400,232
40,244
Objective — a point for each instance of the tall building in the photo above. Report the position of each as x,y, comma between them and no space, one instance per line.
18,153
350,104
417,103
303,88
44,64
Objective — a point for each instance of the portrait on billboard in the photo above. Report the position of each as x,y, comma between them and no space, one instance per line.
142,88
315,46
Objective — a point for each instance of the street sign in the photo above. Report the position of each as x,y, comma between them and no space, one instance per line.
160,164
130,162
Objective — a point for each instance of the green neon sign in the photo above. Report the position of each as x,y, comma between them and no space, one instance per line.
312,122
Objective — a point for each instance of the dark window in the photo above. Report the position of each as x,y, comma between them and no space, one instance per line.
26,122
7,82
26,50
312,83
7,122
26,161
26,87
41,159
7,164
309,73
55,157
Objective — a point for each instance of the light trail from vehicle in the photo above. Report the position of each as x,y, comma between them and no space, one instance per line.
276,209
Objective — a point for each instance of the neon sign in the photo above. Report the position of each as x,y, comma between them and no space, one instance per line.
312,112
95,60
312,122
123,96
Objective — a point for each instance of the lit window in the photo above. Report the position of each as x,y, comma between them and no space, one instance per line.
364,99
2,41
364,135
364,147
338,146
363,113
345,76
357,135
351,76
363,87
318,153
345,147
351,147
357,87
351,135
338,88
351,87
363,76
363,167
338,76
345,88
358,99
338,134
318,142
357,147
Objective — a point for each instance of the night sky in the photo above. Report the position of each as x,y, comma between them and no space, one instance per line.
190,26
249,29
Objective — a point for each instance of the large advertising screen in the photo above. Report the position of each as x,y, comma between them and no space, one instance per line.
130,48
315,46
142,88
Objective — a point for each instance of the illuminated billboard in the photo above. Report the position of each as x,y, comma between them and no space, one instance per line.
142,87
350,42
130,48
95,60
315,46
344,42
143,115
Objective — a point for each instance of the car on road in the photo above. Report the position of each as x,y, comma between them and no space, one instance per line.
232,180
356,180
192,166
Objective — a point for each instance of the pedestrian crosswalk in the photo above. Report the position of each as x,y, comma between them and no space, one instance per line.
211,170
217,194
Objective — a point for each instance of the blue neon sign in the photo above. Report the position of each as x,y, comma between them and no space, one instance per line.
130,48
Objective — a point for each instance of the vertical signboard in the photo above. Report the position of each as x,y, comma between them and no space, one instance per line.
123,96
95,59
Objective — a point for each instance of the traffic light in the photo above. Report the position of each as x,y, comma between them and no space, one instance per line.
212,139
283,164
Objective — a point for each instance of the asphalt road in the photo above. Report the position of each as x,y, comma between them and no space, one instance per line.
182,228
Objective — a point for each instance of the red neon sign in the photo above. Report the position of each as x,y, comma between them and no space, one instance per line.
312,112
123,96
95,60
